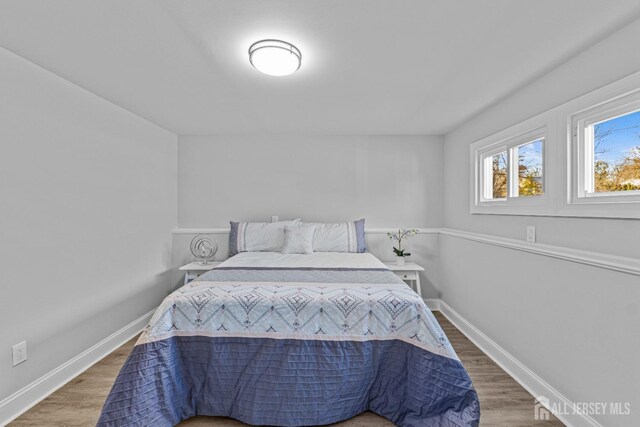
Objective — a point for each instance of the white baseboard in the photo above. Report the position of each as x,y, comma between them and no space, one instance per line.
516,369
24,399
433,303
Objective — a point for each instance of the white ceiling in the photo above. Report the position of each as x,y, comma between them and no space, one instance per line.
368,66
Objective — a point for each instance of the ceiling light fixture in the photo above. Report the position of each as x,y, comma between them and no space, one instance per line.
275,57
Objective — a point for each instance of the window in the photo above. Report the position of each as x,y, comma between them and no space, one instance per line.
495,167
525,176
512,171
607,153
578,159
615,165
528,161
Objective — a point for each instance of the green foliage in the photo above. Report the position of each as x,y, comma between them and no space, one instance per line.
625,176
499,176
402,252
529,181
399,236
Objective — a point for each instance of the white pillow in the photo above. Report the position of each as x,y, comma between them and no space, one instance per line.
298,239
257,236
339,237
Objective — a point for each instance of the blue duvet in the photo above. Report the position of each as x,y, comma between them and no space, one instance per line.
293,347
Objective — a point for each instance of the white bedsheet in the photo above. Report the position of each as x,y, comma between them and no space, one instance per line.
314,260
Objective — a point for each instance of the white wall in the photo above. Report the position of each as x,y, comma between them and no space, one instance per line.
392,181
87,203
573,325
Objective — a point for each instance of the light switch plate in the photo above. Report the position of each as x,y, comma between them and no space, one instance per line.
531,234
19,352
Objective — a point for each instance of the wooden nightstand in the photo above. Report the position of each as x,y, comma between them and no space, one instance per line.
195,269
409,272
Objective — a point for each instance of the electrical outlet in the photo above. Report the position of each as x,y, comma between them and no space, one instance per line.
274,218
19,353
531,234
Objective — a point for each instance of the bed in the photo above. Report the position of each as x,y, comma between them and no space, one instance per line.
293,340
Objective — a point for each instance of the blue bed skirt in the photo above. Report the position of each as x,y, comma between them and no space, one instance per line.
289,382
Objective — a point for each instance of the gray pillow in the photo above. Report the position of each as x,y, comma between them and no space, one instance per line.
257,236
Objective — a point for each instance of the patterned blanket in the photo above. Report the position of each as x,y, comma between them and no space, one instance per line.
293,347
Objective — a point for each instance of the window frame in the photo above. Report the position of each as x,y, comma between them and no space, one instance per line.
486,149
487,172
514,178
581,161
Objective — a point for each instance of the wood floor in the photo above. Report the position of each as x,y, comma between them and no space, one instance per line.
503,402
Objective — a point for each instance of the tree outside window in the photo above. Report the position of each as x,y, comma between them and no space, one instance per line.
616,144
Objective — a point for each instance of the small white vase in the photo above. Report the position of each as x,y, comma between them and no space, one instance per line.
400,260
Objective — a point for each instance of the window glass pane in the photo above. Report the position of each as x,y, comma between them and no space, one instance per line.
616,146
530,172
499,175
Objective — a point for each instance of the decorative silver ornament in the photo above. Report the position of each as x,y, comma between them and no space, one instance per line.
203,248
